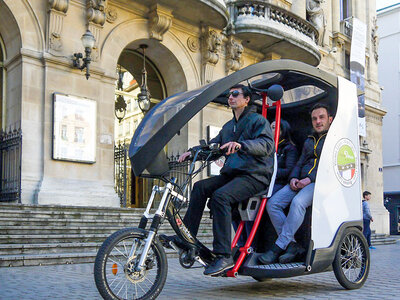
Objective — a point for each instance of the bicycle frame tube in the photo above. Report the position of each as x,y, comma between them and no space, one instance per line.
247,247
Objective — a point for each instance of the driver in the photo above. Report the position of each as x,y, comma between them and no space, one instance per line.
298,193
248,168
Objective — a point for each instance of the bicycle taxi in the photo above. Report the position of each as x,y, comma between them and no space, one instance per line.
132,264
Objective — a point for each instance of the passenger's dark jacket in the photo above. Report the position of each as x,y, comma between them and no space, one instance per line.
287,157
255,158
307,164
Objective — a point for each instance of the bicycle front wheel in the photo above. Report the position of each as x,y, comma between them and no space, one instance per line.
114,269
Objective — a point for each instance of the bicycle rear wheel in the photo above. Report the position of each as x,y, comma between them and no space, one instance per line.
115,274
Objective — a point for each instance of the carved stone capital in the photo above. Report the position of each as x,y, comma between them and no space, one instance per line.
59,5
234,50
193,43
160,20
95,11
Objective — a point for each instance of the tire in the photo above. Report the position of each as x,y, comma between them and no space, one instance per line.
352,260
113,273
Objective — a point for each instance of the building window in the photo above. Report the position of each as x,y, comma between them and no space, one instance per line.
128,128
347,60
345,9
2,82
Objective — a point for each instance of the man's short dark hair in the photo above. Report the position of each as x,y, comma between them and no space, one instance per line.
321,105
245,89
366,193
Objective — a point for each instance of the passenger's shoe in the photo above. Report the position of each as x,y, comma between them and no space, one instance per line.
271,256
220,264
293,251
372,247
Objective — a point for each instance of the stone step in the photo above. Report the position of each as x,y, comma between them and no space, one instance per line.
133,222
51,254
60,208
65,238
384,241
51,230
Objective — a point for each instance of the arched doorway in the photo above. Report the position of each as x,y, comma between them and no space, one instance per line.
133,192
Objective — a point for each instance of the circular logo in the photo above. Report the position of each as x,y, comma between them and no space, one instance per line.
345,162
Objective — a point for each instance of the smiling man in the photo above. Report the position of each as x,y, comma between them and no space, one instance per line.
298,193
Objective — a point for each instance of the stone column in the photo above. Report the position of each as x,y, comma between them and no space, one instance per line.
335,16
299,8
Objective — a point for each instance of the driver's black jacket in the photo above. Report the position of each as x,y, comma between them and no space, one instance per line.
255,157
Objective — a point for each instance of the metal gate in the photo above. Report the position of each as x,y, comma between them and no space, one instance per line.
134,191
10,165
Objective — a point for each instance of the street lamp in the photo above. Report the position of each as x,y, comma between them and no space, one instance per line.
88,41
120,104
144,95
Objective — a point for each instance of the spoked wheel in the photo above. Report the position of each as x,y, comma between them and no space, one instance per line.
115,270
352,260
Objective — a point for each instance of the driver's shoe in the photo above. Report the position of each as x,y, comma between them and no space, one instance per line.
293,251
271,256
166,241
219,265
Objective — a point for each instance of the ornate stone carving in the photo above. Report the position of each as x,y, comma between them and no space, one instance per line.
316,16
111,14
56,14
234,51
95,11
211,41
59,5
160,20
193,43
375,39
211,46
95,30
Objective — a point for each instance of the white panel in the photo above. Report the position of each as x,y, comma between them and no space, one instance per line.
334,203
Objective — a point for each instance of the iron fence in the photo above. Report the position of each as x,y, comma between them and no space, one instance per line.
10,165
134,191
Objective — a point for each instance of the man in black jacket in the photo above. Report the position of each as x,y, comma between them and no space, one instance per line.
247,171
299,193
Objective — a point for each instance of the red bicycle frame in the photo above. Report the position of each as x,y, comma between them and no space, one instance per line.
246,249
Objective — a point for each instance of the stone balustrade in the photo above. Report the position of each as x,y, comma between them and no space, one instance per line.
265,12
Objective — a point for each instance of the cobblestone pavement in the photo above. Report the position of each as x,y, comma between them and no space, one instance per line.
76,282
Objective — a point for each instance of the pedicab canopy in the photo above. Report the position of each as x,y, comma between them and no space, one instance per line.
337,193
168,117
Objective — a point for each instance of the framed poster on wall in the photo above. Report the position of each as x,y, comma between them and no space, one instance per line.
214,168
74,128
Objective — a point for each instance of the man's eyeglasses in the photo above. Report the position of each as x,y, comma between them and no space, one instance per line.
234,94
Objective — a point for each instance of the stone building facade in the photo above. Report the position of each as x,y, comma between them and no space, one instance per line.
189,45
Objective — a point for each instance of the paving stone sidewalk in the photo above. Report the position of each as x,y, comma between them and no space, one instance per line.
76,282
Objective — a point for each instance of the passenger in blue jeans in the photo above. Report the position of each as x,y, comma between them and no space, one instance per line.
299,193
367,218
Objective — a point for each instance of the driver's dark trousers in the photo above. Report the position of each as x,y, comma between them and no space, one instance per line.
223,191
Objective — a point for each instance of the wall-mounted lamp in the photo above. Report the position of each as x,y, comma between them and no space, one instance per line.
88,41
144,95
120,104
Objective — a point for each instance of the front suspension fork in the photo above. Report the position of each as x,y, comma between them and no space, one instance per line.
155,224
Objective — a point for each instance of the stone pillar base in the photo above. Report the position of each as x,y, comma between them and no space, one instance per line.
381,220
58,191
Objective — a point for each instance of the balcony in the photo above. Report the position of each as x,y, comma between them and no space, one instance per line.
211,12
271,29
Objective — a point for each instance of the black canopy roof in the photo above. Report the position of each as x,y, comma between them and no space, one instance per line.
165,119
